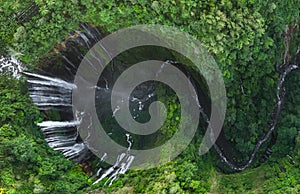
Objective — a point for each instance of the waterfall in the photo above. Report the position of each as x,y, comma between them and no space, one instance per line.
11,66
48,92
62,136
121,166
73,151
49,81
53,125
285,70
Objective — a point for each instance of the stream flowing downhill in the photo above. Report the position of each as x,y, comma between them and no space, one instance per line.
51,88
51,91
277,109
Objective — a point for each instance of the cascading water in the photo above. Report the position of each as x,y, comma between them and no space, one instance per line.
11,66
121,166
48,92
286,68
52,89
276,112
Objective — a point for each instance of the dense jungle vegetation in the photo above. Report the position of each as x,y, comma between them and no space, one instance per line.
246,38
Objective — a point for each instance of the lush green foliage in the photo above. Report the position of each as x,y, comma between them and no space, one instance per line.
27,163
246,38
240,34
264,179
35,38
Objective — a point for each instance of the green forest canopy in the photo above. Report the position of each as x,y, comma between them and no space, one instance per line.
244,36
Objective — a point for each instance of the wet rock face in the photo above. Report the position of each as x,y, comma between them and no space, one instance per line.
52,86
